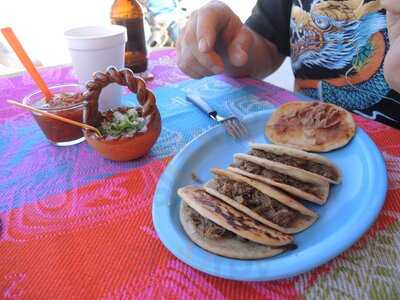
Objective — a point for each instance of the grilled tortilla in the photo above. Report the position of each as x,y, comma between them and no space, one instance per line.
261,202
207,235
311,126
294,181
227,223
312,164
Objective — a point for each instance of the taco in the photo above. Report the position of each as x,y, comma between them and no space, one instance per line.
312,164
311,126
219,228
294,181
261,202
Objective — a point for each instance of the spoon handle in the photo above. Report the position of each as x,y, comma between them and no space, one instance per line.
55,117
26,61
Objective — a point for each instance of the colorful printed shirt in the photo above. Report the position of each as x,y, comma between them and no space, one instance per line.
337,48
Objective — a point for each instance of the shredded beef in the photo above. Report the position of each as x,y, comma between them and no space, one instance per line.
304,164
278,177
319,115
315,115
208,228
255,200
238,191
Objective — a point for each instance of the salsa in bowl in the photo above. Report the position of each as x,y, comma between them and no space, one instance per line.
67,102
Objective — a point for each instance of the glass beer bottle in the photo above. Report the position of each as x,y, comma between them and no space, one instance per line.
129,13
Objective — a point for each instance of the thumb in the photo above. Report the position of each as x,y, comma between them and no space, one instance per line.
239,48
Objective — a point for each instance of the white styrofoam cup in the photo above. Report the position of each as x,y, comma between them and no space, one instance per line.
93,49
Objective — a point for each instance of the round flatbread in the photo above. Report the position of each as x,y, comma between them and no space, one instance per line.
311,126
231,219
229,247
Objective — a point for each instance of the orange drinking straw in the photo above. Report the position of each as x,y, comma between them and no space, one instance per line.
26,61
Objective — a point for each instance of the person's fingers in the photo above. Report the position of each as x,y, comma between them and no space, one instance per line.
183,53
196,75
210,61
196,47
185,36
239,48
210,20
190,65
193,68
191,60
189,56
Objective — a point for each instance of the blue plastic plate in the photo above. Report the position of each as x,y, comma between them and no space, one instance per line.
350,210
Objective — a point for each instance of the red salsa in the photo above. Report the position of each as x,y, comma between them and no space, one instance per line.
67,105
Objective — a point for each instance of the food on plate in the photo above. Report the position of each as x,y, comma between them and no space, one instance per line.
252,209
128,132
310,163
221,229
261,202
294,181
68,105
311,126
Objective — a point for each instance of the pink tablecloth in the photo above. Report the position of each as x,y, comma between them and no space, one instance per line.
76,226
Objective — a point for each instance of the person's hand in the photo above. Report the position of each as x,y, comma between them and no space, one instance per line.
213,40
392,60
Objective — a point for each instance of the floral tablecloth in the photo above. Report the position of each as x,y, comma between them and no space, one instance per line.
76,226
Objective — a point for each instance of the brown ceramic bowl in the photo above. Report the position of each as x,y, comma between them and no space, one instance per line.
122,149
125,149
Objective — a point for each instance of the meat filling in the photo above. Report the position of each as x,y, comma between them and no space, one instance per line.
255,200
304,164
208,228
278,177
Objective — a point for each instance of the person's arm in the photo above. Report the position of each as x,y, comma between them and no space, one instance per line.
215,41
392,60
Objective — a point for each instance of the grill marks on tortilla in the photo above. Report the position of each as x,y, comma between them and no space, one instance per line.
237,220
255,200
231,244
278,177
302,163
208,228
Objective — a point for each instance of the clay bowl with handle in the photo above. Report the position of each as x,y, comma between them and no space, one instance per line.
123,148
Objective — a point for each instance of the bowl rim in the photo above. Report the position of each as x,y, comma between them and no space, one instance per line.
93,136
26,99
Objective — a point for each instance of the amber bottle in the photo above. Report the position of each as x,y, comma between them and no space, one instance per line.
129,13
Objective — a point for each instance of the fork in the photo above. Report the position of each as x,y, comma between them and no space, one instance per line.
233,125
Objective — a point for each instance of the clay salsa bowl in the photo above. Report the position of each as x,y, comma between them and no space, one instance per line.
123,148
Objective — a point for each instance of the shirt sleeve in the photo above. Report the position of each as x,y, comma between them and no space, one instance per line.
271,19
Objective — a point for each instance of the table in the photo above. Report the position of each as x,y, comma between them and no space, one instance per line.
77,226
